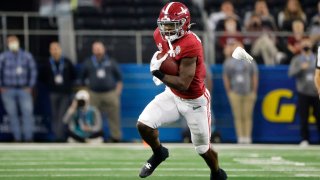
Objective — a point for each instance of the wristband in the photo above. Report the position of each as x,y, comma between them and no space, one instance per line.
158,74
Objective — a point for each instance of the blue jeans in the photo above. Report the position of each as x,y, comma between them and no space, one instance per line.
10,98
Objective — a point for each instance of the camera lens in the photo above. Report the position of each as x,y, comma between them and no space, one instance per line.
81,103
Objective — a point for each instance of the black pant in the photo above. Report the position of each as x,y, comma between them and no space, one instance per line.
304,103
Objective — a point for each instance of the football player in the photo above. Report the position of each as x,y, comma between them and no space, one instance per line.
185,95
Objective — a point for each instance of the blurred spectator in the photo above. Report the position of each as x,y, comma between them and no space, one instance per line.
58,74
215,21
229,36
294,41
262,11
262,43
17,78
84,121
292,11
317,75
314,28
302,68
88,4
241,83
105,85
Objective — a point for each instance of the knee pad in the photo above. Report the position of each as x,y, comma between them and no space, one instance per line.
202,149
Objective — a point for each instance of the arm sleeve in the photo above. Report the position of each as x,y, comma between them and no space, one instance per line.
294,68
83,73
72,72
192,50
255,70
225,69
116,72
67,116
33,71
1,68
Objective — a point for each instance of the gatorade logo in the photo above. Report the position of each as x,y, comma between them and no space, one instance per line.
275,111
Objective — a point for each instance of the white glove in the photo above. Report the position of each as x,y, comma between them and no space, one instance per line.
157,81
156,63
241,54
171,53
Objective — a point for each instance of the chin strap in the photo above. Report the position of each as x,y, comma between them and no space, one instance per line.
171,51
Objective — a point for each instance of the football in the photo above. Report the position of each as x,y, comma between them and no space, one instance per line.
169,66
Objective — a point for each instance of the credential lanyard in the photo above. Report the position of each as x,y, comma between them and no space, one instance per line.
311,57
54,68
100,65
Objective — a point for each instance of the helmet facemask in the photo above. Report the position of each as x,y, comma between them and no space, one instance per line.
171,30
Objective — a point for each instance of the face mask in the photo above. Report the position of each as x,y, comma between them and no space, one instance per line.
306,48
14,46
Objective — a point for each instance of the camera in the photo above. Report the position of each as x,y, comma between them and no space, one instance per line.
81,103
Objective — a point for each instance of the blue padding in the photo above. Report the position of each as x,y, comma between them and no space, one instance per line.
139,90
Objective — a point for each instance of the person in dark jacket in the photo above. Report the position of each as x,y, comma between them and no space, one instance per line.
104,80
58,74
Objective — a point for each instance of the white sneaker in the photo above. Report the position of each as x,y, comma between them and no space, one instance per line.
98,140
241,140
71,140
247,140
304,143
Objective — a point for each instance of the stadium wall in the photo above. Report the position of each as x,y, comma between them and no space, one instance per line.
275,113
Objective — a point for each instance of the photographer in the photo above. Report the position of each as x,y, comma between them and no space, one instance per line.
84,121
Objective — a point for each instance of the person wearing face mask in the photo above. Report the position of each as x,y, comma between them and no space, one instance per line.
83,120
230,35
58,74
302,68
103,77
18,74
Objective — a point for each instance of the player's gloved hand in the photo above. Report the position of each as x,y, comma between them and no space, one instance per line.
157,81
156,63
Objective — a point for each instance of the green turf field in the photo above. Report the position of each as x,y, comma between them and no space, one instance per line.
123,161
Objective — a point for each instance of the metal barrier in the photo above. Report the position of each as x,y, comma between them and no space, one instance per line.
138,45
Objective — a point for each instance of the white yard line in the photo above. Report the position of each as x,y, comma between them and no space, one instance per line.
51,146
156,175
160,169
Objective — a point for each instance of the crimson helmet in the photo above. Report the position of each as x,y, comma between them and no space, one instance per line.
176,16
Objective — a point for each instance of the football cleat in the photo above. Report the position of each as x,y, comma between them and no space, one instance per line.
219,175
153,162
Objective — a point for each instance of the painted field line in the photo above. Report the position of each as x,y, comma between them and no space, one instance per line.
155,175
160,169
139,146
37,163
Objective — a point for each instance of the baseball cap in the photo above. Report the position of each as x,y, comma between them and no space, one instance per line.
82,94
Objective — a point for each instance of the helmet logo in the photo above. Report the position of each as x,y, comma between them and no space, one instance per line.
183,11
